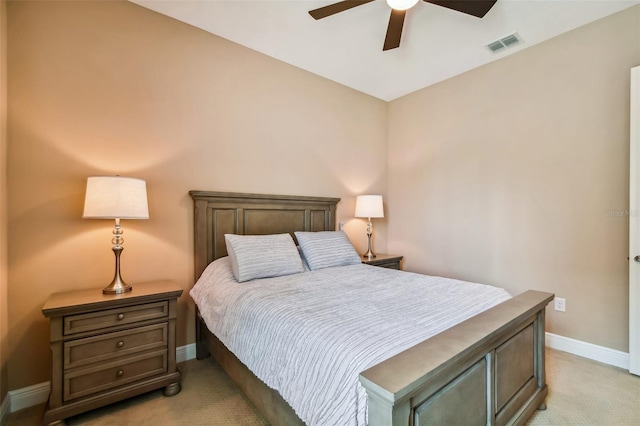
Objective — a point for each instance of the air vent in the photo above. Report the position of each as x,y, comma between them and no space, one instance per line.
504,43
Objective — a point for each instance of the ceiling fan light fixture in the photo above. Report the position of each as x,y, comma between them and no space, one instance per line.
401,4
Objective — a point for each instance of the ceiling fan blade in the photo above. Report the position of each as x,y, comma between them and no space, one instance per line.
477,8
394,30
334,8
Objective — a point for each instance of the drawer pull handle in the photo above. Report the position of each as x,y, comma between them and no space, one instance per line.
120,373
120,316
120,344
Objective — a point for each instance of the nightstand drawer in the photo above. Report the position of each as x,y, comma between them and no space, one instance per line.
114,317
83,382
99,348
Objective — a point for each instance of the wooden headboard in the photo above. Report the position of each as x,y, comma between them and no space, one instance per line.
219,213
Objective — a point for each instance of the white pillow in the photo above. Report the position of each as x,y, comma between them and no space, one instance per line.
262,256
327,249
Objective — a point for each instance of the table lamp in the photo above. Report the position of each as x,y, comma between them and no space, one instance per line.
369,206
116,197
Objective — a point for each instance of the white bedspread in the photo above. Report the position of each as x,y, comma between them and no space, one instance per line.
309,335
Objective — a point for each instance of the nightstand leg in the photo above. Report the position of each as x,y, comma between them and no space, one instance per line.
172,389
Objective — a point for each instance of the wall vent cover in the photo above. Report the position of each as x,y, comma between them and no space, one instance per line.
504,43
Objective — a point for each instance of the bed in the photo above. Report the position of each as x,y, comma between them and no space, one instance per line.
488,369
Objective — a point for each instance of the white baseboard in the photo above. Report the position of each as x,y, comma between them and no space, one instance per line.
29,396
186,352
4,409
588,350
37,394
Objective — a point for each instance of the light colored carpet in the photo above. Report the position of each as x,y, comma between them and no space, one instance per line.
581,392
585,392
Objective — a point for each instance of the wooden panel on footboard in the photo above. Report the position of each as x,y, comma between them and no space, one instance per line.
488,370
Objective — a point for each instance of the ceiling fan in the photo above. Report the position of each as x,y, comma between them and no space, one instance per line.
477,8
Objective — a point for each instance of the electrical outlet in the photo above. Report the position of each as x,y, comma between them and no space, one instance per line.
341,226
559,304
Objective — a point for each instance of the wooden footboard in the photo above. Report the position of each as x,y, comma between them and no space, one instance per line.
488,370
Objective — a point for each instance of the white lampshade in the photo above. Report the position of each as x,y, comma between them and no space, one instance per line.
369,206
401,4
115,197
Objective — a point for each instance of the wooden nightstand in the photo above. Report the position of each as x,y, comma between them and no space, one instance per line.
105,348
390,261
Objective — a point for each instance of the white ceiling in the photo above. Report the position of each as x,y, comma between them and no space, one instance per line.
437,43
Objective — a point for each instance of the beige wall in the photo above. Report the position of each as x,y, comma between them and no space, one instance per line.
4,306
516,174
112,88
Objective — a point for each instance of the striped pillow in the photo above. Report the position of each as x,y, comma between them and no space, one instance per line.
326,249
262,256
305,265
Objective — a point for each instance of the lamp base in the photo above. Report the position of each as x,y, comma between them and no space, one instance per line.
369,254
117,286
